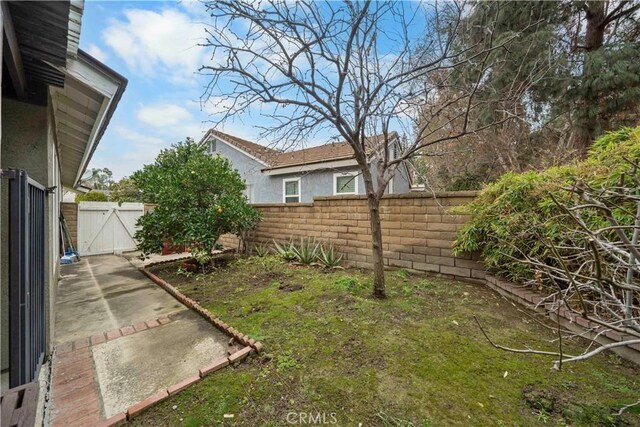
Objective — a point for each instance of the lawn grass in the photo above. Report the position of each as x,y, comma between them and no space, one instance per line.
415,359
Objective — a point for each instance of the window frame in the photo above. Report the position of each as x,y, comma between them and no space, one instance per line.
337,175
284,189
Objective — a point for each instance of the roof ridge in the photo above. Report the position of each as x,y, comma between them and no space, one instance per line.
327,152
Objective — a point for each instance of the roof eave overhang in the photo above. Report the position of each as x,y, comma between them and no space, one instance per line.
96,81
311,166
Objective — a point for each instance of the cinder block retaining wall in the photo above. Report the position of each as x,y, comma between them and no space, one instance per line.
418,230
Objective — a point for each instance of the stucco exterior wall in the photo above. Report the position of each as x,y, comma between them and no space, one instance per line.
401,183
24,146
257,187
263,188
52,225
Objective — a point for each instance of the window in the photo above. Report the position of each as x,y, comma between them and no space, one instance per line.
291,190
345,183
212,145
390,186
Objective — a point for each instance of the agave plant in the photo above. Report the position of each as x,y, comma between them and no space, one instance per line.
285,251
329,257
262,250
307,252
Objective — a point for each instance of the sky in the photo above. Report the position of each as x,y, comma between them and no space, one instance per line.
153,44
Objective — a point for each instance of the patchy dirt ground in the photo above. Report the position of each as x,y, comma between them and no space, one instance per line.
415,359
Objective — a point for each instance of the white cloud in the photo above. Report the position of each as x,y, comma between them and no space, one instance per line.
193,7
163,115
139,139
157,44
97,53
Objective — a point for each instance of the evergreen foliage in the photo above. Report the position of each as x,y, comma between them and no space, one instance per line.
511,217
92,196
198,198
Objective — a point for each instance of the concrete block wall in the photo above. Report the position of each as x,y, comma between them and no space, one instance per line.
70,213
418,230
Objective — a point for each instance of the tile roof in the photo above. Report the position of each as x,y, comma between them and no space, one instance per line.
321,153
261,152
278,159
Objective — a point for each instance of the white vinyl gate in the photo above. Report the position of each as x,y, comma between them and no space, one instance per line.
106,228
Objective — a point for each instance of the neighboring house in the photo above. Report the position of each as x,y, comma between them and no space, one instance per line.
274,176
56,104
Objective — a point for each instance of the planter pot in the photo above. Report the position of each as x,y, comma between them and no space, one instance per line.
169,248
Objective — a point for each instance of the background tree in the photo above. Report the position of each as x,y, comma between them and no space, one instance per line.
580,64
354,70
98,179
198,198
124,190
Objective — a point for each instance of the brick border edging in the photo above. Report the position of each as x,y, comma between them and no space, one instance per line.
184,258
168,261
122,418
535,301
250,344
67,347
206,314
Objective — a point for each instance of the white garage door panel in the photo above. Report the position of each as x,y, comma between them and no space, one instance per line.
105,228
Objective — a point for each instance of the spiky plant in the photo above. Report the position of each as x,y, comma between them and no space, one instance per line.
262,250
329,257
307,252
285,251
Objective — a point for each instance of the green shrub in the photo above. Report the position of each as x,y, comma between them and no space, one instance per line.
514,217
197,197
92,196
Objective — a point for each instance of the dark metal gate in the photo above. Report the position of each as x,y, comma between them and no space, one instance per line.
27,308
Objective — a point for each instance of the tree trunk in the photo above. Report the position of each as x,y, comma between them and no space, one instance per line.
593,41
373,202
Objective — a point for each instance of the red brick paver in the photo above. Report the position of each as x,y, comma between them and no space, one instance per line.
150,401
183,384
74,389
75,395
117,420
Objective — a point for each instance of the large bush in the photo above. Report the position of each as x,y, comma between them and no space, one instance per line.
522,217
92,196
198,198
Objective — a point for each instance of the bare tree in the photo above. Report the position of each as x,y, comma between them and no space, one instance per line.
357,70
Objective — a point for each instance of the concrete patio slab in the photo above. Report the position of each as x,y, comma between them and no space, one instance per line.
121,339
105,292
134,367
